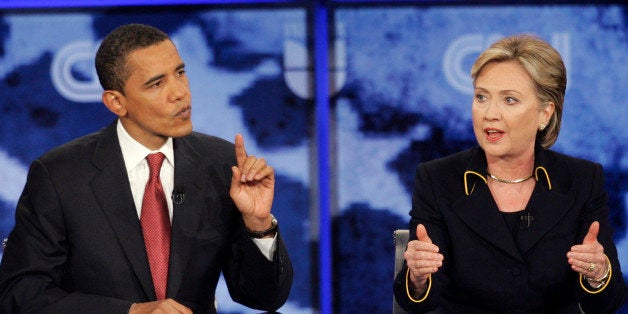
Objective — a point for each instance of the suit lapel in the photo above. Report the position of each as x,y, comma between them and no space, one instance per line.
548,208
480,213
478,210
549,202
113,193
187,213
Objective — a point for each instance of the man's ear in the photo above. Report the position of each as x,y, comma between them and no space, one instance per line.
114,101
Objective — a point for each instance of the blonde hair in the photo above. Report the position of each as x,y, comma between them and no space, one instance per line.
544,65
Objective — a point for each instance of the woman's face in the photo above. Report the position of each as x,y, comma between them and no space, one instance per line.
506,114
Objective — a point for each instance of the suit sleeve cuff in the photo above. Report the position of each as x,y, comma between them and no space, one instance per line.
425,294
588,289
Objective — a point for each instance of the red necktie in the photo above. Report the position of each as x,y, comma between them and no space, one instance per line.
156,226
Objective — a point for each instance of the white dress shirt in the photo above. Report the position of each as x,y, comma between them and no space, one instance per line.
134,155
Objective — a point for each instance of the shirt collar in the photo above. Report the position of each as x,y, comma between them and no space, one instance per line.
133,152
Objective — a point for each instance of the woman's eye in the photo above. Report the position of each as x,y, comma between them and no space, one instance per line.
510,100
480,98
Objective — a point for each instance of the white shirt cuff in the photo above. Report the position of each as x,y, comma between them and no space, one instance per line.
267,246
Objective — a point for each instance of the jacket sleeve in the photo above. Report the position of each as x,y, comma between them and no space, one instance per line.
252,279
611,296
34,273
424,211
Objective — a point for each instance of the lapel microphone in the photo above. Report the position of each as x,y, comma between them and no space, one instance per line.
526,220
178,195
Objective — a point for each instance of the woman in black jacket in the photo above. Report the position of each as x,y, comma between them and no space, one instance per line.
511,226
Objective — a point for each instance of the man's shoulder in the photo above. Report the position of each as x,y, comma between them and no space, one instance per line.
204,141
80,148
211,148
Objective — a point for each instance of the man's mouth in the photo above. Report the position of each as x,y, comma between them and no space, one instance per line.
184,112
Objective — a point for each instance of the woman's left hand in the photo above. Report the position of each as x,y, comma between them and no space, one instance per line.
588,258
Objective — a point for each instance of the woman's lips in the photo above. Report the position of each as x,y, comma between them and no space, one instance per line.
493,135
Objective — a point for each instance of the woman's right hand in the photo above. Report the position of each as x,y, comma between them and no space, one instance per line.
423,258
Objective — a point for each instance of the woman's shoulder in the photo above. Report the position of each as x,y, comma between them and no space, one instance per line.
566,172
554,160
455,164
459,158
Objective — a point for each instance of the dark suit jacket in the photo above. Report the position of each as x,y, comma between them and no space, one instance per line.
486,269
77,244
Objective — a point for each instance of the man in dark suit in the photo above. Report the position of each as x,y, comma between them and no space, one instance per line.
80,241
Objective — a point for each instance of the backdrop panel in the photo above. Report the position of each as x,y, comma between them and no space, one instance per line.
400,90
407,99
235,59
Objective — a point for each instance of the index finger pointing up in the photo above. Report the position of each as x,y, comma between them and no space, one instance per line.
239,150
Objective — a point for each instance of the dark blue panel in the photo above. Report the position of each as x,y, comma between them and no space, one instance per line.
13,4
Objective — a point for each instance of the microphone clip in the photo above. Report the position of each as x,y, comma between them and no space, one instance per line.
526,220
178,195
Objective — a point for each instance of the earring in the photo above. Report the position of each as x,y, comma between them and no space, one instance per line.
541,126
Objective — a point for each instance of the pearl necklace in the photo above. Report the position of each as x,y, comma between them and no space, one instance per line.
510,181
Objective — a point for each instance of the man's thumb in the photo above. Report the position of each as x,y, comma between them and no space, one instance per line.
421,234
591,236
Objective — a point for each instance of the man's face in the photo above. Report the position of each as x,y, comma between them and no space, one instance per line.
156,101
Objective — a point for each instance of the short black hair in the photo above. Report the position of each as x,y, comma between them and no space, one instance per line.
111,63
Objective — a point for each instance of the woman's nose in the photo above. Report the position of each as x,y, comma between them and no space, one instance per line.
492,111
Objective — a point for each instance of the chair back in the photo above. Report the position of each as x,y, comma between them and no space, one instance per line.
400,239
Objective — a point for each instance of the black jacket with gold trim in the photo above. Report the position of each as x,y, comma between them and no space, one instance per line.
488,270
